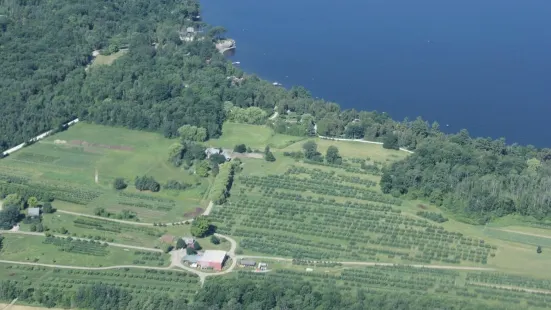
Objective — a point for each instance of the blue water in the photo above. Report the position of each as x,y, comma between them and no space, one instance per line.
481,65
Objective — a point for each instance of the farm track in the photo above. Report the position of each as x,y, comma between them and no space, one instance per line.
522,233
513,288
206,212
119,245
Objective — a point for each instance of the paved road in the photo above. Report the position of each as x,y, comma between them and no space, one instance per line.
64,236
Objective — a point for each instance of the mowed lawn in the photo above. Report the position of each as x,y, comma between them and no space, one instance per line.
73,157
254,136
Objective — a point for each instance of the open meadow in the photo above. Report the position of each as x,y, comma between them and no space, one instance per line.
78,167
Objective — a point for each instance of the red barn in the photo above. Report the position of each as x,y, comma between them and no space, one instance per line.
213,259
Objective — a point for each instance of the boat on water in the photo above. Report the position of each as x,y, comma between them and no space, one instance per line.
277,84
236,63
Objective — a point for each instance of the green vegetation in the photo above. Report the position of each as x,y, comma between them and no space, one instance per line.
76,155
433,216
123,288
222,184
74,252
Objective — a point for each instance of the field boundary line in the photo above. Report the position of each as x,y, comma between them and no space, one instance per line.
88,268
362,141
118,245
511,288
521,233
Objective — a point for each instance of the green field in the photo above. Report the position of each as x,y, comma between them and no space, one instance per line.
254,136
37,249
66,165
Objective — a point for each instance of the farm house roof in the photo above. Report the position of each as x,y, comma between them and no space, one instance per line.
213,256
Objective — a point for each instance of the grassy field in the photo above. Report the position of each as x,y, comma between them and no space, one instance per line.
254,136
107,59
68,161
34,249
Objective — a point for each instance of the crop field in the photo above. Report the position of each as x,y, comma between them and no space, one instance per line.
136,281
52,250
64,167
321,212
419,281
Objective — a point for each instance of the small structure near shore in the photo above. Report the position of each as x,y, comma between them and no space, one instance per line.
225,45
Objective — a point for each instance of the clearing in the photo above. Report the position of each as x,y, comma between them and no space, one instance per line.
79,165
107,59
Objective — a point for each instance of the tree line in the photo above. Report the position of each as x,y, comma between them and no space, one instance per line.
234,293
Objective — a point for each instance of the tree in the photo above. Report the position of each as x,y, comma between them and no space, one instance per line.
217,32
32,202
192,133
390,141
9,216
240,148
268,156
167,247
47,208
190,251
311,151
214,239
180,244
202,169
200,227
176,153
332,156
196,245
539,250
39,227
13,200
147,183
33,227
119,184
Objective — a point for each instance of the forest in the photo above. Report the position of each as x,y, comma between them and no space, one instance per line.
232,294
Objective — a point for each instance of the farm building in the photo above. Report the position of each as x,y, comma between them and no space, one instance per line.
192,259
33,212
190,242
213,259
247,263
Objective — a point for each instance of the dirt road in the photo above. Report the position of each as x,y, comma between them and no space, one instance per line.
64,236
522,233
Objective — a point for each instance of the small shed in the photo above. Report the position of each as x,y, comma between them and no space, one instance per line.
190,241
190,30
247,263
33,212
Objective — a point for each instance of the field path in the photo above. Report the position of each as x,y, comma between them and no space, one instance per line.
85,268
119,245
362,141
206,212
104,218
377,264
513,288
523,233
10,304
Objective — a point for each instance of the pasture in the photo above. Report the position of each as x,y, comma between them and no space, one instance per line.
51,250
78,166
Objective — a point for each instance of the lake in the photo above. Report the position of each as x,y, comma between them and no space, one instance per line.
480,65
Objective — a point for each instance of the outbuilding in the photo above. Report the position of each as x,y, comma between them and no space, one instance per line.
247,263
33,212
212,259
